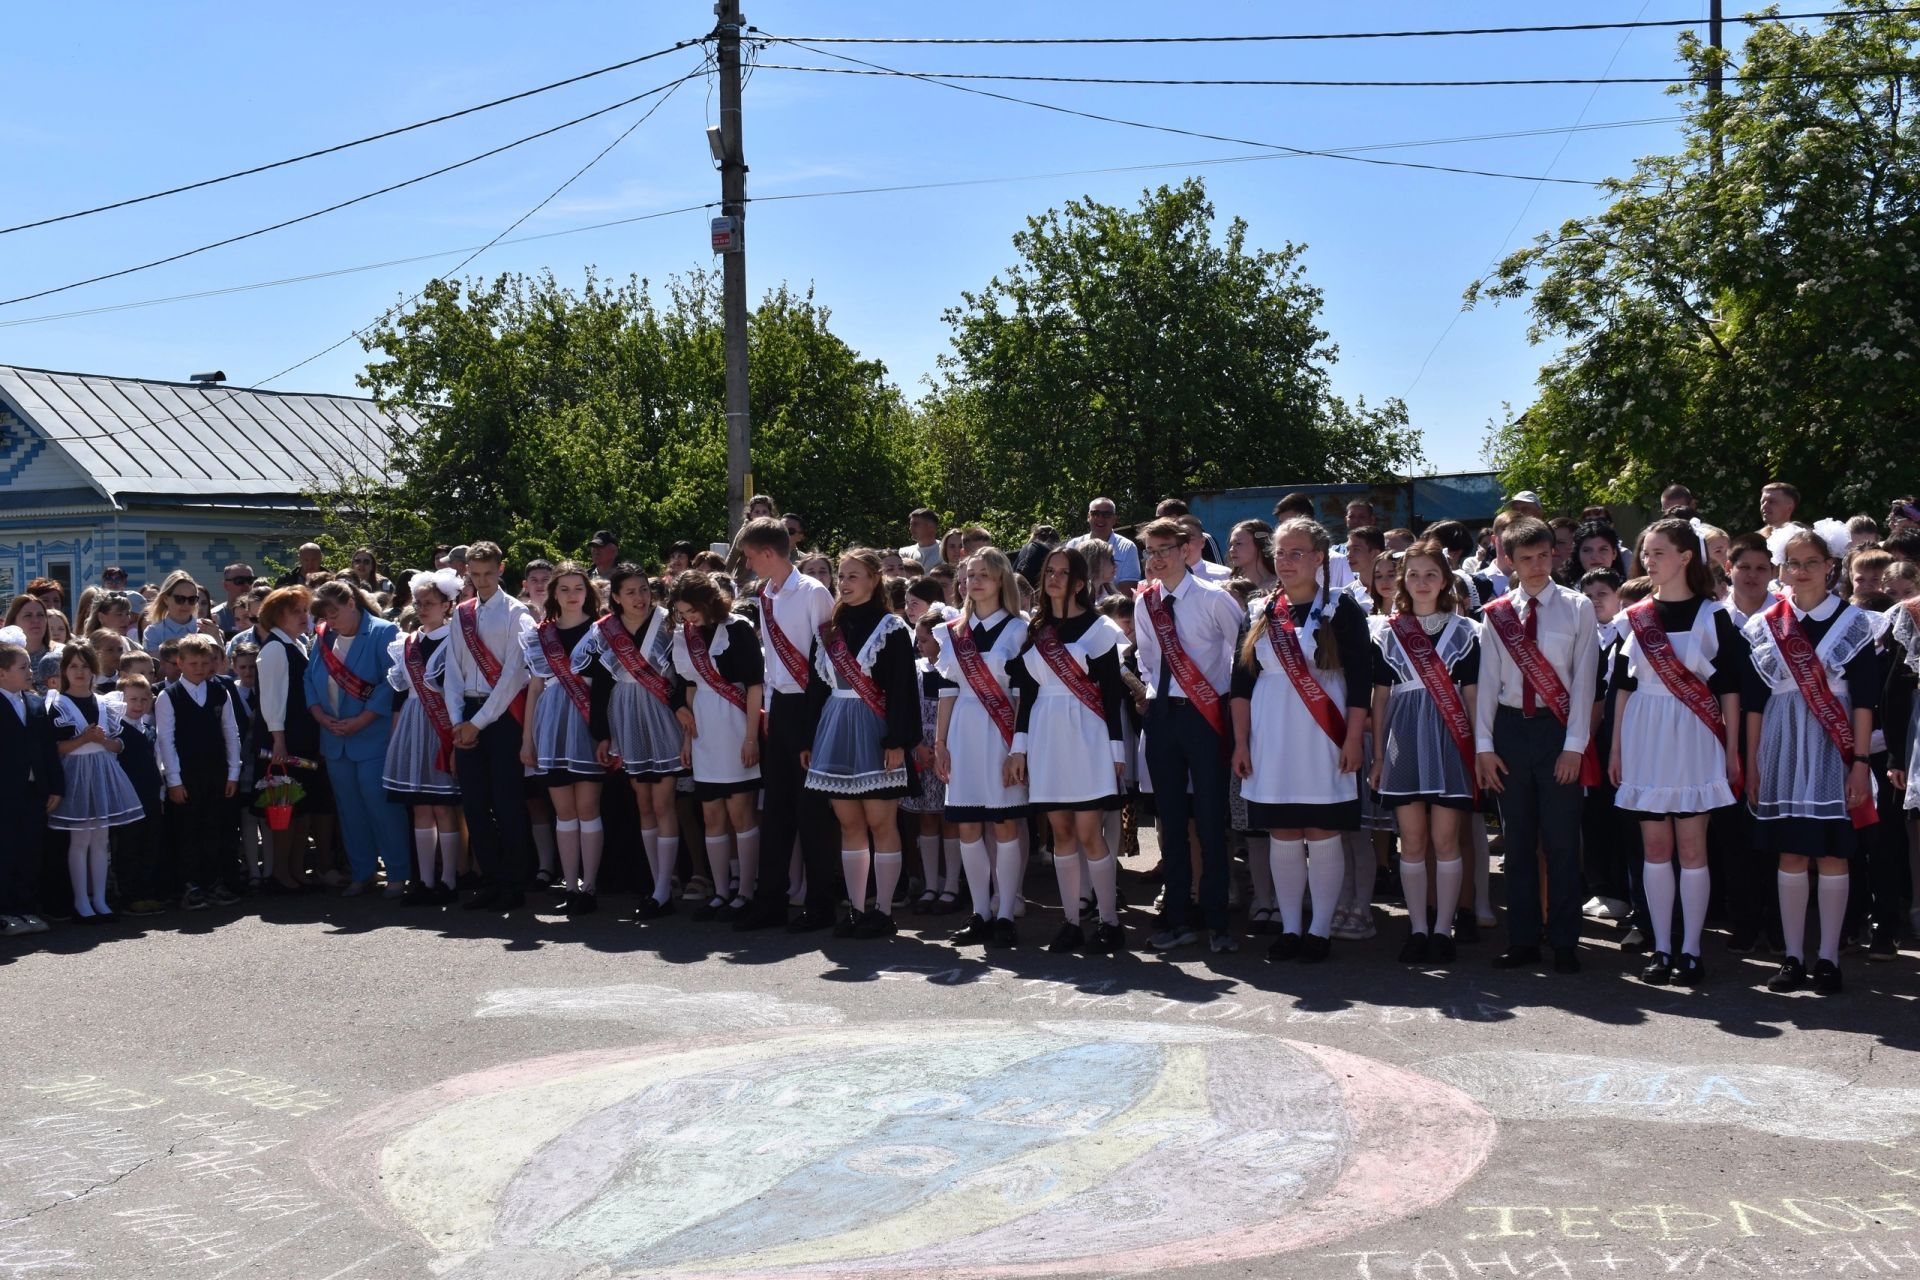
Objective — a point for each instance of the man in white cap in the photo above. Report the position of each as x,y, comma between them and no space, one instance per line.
1527,503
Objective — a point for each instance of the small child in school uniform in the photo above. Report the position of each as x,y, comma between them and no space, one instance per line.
139,849
109,647
97,795
199,748
31,781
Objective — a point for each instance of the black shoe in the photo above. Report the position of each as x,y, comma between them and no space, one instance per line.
1285,947
416,894
1826,978
582,903
484,900
1466,927
711,909
1440,949
1744,942
1689,972
1070,938
1659,970
1566,960
975,930
1006,935
846,924
1416,949
442,895
1106,940
874,923
1885,944
651,908
1517,958
761,913
1314,948
811,920
1791,977
511,900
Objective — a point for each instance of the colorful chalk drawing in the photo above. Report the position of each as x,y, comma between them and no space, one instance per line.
658,1008
1792,1102
975,1148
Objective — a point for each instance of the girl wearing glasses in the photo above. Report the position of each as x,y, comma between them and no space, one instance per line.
364,573
174,612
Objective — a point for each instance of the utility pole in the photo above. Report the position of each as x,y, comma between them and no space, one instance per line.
733,210
1715,80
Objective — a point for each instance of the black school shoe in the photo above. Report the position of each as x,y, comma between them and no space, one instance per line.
1416,949
1440,949
811,919
1006,935
846,924
1792,976
1826,978
1285,947
1689,972
1314,948
874,923
1106,940
1659,970
975,931
1070,938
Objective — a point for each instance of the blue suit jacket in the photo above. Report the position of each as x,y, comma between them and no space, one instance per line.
367,659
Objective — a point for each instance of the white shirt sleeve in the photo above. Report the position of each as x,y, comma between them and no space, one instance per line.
163,739
1493,662
1584,671
272,668
230,731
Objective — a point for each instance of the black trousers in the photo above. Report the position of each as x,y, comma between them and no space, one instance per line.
1603,852
491,796
24,819
196,829
791,810
1182,745
1886,849
1535,810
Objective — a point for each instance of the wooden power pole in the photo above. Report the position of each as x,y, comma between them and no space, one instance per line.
729,240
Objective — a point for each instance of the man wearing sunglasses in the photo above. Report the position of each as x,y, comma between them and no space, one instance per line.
237,580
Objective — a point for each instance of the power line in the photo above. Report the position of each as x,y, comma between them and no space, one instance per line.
1196,133
234,392
1330,35
1330,84
837,192
345,146
336,207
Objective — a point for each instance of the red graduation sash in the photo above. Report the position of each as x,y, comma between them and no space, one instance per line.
1433,673
431,702
1811,675
350,684
703,664
644,673
850,673
998,705
1199,691
1680,679
790,656
560,662
1046,642
1285,639
1538,672
469,612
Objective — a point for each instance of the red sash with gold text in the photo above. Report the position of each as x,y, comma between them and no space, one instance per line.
1538,672
350,684
431,702
1811,675
644,673
469,611
1199,690
1433,673
560,662
710,674
1046,642
999,706
850,673
1285,639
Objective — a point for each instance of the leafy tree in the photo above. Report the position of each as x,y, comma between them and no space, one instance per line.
1129,352
552,412
1744,310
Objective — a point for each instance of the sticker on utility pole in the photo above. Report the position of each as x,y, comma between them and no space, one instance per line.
726,235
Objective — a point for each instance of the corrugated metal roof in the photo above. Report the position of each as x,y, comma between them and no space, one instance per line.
136,436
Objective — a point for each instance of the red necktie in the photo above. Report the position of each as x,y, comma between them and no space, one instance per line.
1532,626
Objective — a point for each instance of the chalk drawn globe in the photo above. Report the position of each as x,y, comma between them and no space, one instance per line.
911,1150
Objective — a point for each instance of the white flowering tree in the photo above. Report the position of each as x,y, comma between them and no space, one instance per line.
1736,318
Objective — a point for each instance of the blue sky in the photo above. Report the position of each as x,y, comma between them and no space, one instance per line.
112,100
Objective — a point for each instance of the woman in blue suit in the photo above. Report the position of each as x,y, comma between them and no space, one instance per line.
351,700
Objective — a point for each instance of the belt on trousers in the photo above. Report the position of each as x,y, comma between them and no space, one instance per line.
1523,713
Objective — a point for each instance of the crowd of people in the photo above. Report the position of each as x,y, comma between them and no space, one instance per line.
1702,726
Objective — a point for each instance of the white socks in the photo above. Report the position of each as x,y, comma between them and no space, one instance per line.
593,844
1289,860
1695,885
719,854
973,855
887,866
566,839
1326,877
1260,869
1447,877
1833,914
747,846
426,842
82,867
1009,871
449,859
666,858
1657,879
853,865
543,840
1413,878
1066,873
1793,912
1105,875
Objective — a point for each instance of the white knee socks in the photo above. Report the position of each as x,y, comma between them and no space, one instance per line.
449,859
1833,914
1447,877
426,842
887,866
719,853
1105,875
1413,878
593,845
1009,871
979,865
1657,879
1289,862
1793,912
666,858
78,845
566,839
747,846
1067,865
1695,885
1326,878
853,865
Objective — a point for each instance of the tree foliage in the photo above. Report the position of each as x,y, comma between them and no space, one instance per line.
553,412
1728,328
1130,352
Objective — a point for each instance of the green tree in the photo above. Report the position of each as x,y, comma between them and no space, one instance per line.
1743,310
551,412
1130,352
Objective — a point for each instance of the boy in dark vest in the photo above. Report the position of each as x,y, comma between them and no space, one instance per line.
199,744
139,848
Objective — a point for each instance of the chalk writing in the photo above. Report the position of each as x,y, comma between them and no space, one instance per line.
1568,1262
658,1007
260,1091
23,1254
96,1093
1745,1219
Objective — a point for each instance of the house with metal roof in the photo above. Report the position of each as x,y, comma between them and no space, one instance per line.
156,476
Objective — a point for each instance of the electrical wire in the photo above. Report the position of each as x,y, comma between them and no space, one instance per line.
1196,133
336,207
1752,18
356,142
838,192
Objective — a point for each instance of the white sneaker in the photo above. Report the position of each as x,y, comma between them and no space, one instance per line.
1168,939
